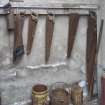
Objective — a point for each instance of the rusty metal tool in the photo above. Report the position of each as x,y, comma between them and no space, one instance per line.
18,39
73,25
49,35
33,19
91,51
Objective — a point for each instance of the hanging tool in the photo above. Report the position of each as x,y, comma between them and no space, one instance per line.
10,17
49,35
73,25
91,51
18,40
10,21
33,19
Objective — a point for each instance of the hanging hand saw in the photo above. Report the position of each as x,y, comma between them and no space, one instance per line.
18,40
49,35
91,51
33,19
73,25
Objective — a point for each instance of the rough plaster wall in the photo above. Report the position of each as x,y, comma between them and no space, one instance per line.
4,43
101,55
60,43
15,79
102,48
59,46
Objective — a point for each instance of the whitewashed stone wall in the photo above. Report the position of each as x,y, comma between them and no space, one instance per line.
16,81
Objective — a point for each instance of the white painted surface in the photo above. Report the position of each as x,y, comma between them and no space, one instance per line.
15,85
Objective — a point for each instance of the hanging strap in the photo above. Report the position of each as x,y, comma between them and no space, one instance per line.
49,35
73,25
33,19
18,39
91,51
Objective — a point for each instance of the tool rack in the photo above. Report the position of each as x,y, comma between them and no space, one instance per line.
54,8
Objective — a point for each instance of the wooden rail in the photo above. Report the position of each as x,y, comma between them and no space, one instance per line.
54,8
